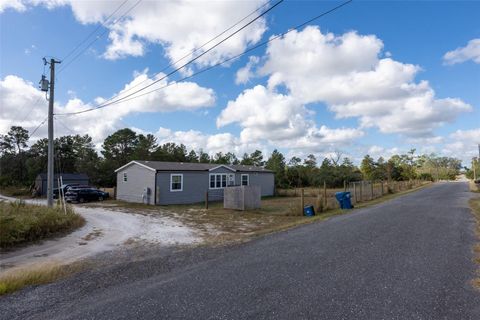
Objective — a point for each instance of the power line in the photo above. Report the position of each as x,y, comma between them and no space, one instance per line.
102,24
41,124
213,66
181,67
191,52
64,125
97,38
79,45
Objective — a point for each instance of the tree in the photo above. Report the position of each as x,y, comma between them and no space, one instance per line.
367,167
192,156
311,161
220,158
15,140
231,158
257,158
246,160
203,157
294,162
145,146
119,147
276,163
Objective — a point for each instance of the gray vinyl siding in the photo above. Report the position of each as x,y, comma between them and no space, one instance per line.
138,178
266,181
195,184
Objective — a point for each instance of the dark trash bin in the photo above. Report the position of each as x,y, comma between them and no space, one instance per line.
308,211
344,199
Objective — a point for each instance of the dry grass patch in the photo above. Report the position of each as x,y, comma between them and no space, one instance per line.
18,278
22,223
475,205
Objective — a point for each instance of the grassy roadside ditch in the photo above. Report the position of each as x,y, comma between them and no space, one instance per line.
475,206
22,223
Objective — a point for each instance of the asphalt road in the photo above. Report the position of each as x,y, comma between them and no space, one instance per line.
409,258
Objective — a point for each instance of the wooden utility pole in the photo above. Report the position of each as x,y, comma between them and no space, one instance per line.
50,132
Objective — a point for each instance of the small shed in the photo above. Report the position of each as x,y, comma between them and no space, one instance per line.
68,178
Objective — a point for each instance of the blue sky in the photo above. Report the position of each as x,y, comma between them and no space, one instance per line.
406,33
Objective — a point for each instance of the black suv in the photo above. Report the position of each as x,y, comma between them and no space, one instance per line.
82,195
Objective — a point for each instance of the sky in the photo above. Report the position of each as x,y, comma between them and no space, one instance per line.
372,77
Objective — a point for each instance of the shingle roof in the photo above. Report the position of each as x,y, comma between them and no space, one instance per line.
187,166
66,176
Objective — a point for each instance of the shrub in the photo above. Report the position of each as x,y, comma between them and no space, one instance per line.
21,223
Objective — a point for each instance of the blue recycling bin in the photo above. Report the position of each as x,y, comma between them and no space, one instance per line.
308,211
344,199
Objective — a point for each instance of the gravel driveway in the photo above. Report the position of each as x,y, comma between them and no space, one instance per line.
105,230
408,258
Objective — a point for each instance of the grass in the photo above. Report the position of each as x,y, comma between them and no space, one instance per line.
18,278
475,206
22,223
18,192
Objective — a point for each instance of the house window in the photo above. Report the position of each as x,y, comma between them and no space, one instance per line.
212,181
125,178
176,182
245,180
231,179
218,180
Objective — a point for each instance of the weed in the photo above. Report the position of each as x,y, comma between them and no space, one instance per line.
18,278
21,223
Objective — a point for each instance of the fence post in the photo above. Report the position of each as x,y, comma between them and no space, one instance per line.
381,183
354,192
344,185
325,195
302,201
206,200
371,190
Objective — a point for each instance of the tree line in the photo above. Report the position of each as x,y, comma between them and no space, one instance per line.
21,163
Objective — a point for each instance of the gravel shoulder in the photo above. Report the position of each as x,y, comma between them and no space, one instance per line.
408,258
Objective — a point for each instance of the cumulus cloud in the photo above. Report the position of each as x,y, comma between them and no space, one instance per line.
266,115
179,26
17,5
470,52
347,74
244,74
22,104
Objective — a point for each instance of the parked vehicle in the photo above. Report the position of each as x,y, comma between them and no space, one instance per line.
82,195
65,188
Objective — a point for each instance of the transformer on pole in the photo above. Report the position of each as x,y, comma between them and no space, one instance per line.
44,86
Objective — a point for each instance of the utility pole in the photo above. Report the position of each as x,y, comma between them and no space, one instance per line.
51,100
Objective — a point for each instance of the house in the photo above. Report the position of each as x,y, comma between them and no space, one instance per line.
164,183
68,178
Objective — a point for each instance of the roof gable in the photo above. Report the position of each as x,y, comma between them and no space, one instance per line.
190,166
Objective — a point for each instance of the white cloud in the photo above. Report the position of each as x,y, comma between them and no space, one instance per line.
20,99
470,52
244,74
346,73
265,115
179,26
210,143
12,4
